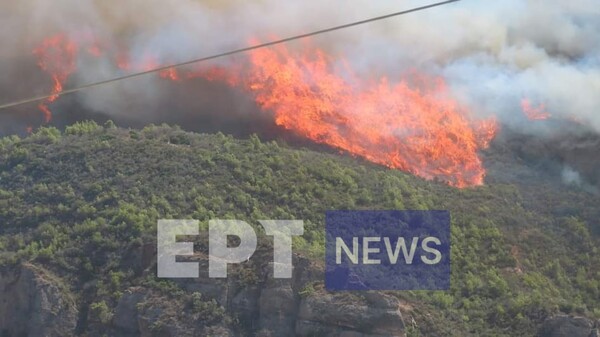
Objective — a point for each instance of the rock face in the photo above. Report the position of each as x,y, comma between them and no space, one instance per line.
569,326
126,312
271,307
346,314
33,304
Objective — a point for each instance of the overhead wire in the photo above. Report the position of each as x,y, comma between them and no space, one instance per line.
220,55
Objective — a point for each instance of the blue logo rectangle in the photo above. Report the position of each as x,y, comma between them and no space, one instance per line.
387,250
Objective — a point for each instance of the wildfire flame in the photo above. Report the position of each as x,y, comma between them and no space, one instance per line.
57,56
534,113
418,129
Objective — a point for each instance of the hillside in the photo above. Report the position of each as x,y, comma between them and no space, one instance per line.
79,208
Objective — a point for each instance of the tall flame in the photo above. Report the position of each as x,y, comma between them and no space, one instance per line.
57,56
418,129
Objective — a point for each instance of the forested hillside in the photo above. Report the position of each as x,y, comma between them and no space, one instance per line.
80,208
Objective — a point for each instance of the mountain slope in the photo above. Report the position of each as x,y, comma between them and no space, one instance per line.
81,207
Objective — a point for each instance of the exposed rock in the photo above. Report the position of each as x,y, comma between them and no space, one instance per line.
144,313
345,314
278,305
567,326
126,312
34,304
265,307
245,307
211,288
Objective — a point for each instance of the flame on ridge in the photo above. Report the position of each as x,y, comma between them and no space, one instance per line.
418,129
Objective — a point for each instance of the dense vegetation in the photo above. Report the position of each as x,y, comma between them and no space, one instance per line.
75,201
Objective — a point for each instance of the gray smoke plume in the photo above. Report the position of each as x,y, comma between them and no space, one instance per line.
491,53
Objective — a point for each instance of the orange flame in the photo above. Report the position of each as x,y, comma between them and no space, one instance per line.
57,56
171,74
123,61
418,129
534,113
422,132
230,75
95,50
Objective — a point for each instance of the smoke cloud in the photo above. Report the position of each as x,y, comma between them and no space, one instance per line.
492,54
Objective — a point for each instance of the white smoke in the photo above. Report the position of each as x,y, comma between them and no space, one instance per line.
491,53
571,177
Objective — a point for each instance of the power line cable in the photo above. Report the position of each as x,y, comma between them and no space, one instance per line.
228,53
